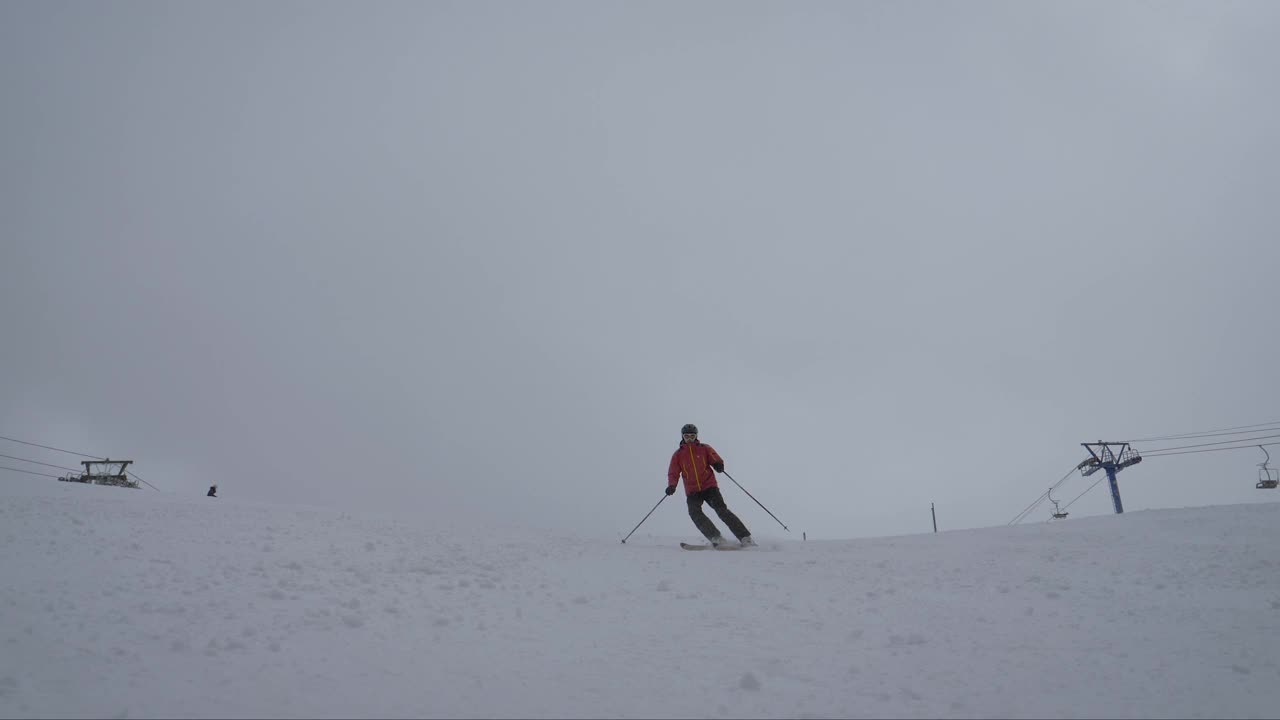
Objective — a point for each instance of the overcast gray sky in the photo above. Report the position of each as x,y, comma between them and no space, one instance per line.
480,261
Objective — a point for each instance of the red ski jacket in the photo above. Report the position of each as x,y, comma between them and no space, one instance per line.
693,460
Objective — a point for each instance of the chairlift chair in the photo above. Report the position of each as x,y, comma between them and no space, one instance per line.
1268,478
1058,513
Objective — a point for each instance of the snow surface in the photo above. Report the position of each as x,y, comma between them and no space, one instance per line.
129,603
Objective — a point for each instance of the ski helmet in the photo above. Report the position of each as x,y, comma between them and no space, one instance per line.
689,428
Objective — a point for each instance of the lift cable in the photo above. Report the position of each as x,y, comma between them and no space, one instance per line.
1094,485
1219,442
46,447
1191,452
1208,435
29,472
1211,433
135,477
37,462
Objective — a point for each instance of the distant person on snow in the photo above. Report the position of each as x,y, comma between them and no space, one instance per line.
213,491
696,461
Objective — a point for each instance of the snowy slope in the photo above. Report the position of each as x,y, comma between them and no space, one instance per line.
132,603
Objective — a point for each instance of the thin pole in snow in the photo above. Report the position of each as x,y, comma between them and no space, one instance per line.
935,517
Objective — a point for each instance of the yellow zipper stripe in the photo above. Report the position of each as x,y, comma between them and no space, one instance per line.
694,464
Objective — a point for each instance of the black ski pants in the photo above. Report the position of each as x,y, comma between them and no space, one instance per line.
712,497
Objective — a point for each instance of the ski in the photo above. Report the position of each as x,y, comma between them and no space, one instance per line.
726,546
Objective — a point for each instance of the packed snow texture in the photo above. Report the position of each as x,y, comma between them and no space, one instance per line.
133,603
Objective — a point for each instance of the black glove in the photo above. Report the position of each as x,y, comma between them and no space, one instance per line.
718,466
671,489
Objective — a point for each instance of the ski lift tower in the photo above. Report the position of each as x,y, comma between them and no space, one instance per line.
103,472
1104,456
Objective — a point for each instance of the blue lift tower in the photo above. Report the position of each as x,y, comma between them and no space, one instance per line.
1112,457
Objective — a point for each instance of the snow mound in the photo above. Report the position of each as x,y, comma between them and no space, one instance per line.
127,603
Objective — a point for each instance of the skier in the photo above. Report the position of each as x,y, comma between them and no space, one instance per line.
696,461
213,491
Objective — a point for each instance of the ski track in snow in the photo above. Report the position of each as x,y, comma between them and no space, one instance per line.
119,603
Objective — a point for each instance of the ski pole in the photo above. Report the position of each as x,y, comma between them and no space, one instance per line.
753,497
646,517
